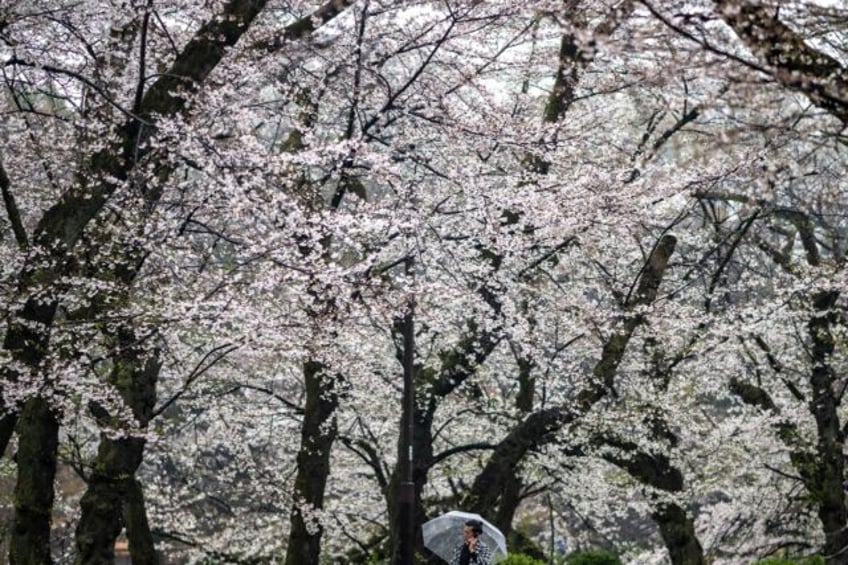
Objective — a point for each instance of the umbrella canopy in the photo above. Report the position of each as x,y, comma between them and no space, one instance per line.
443,534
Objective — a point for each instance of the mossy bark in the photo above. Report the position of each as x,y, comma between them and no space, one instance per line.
139,535
38,439
113,494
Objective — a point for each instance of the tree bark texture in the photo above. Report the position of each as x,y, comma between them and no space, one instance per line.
38,439
829,474
791,61
678,532
112,485
676,527
318,433
541,426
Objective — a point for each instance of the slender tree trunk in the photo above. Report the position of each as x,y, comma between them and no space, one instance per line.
38,440
457,366
313,464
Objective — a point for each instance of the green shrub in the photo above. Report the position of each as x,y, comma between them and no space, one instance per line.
520,559
593,557
814,560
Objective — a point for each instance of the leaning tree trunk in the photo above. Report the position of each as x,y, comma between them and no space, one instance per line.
313,464
676,527
491,484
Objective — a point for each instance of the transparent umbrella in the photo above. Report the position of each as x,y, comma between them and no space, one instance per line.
443,534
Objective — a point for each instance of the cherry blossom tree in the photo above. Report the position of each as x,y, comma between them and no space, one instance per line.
616,227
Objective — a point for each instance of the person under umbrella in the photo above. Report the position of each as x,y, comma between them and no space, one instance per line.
472,550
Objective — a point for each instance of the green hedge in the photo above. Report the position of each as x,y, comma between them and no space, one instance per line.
520,559
814,560
593,557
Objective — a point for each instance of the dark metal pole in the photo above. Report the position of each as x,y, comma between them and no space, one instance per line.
407,485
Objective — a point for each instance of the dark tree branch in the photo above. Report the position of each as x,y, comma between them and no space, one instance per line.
304,26
793,63
462,449
12,209
209,360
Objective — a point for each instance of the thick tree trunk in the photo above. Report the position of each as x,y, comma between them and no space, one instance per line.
142,547
827,488
103,504
676,528
313,464
38,439
541,426
678,533
112,484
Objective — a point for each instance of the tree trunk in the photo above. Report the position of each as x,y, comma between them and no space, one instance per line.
827,488
422,447
109,487
491,483
7,428
540,427
678,533
458,364
676,528
38,439
112,483
142,548
313,464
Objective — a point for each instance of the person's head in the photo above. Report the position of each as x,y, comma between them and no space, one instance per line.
472,529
